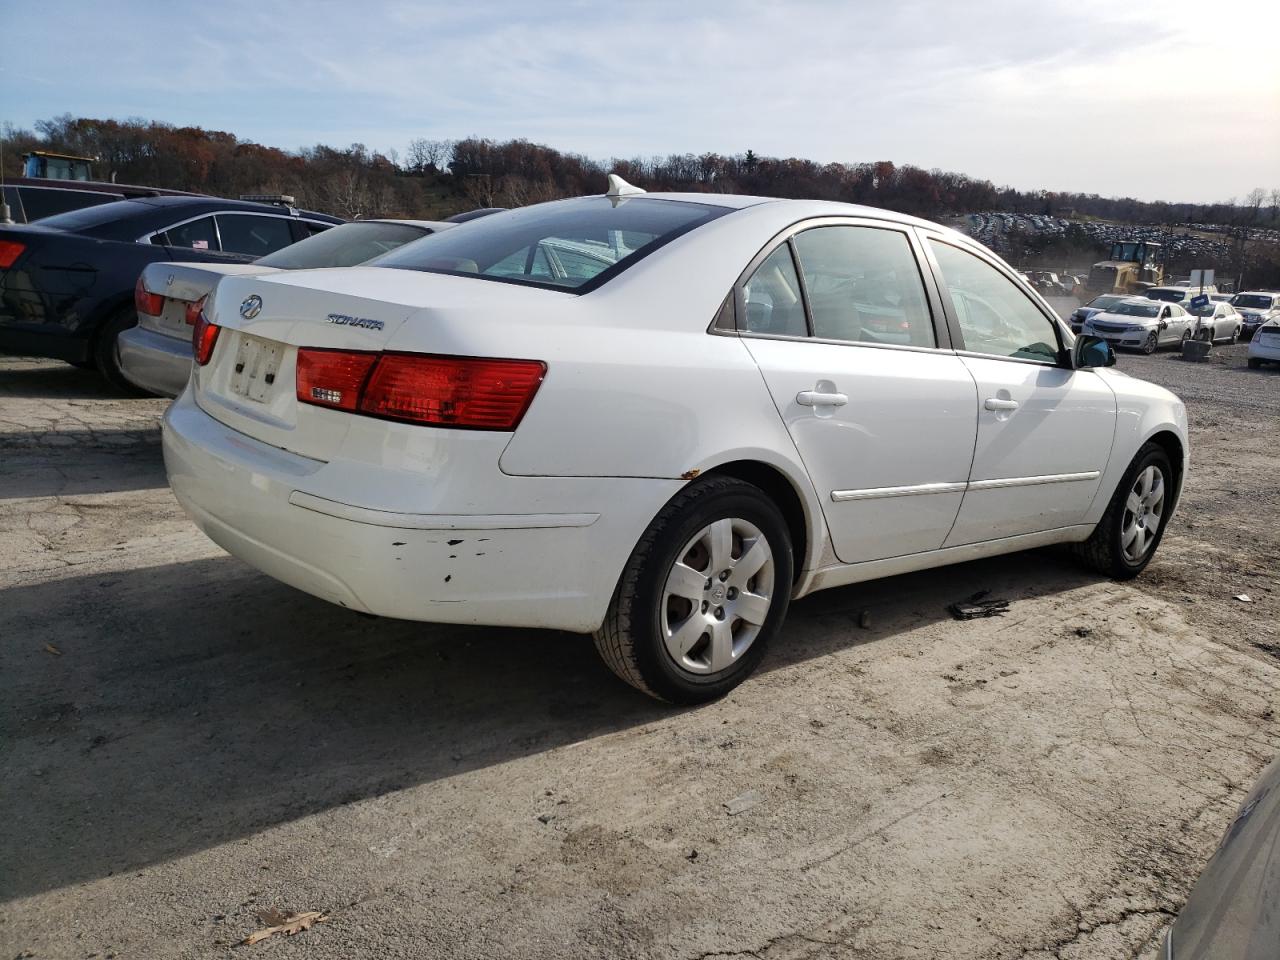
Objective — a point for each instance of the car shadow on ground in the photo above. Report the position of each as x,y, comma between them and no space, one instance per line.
159,711
81,462
49,379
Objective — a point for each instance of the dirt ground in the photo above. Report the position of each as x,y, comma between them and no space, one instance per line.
184,743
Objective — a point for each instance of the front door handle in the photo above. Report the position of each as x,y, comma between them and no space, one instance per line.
995,403
814,398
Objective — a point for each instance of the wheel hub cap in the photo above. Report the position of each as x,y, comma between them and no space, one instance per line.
1142,512
717,596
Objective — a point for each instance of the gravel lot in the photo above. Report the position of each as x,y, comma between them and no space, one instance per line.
186,743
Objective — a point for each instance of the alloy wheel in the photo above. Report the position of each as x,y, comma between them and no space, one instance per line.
717,596
1143,509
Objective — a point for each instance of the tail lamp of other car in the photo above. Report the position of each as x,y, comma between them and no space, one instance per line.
10,251
475,393
152,304
194,309
203,337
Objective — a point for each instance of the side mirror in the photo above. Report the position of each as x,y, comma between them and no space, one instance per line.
1093,352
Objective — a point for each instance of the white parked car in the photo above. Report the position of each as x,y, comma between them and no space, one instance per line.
1142,324
1256,308
732,403
1265,345
1216,321
156,354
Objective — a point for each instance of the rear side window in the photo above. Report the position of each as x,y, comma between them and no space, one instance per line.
995,317
774,304
253,235
573,245
40,202
197,234
864,286
343,246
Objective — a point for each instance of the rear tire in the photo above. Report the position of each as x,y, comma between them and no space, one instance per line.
1123,543
106,355
1255,363
692,615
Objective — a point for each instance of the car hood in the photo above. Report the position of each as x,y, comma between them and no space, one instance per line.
1120,318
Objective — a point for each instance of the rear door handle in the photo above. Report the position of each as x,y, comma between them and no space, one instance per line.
995,403
813,398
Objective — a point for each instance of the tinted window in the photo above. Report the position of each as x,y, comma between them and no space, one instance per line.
995,317
198,235
1251,301
569,244
255,236
772,297
343,246
864,285
108,213
40,202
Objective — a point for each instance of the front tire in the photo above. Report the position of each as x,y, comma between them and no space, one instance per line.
704,592
1151,344
1125,539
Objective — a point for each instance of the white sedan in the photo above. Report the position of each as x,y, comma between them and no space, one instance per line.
1215,321
1143,324
660,418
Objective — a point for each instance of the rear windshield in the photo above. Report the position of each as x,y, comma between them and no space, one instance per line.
1136,309
1170,296
343,246
79,221
573,245
1252,301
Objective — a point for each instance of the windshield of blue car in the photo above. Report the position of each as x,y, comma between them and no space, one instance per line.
1136,309
1250,301
573,245
344,246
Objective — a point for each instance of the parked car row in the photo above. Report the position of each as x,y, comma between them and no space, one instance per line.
71,285
1170,315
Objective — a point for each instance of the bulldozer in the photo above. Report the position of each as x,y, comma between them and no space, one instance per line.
56,166
1132,267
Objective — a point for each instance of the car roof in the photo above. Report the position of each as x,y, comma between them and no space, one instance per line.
178,203
811,208
425,224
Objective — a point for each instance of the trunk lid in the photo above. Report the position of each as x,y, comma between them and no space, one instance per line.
250,383
183,283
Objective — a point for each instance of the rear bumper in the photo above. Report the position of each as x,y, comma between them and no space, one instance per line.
57,345
154,362
1265,351
536,566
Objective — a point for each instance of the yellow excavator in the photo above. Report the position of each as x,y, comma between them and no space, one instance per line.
1132,268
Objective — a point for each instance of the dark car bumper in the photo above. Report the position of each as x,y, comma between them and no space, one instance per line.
54,342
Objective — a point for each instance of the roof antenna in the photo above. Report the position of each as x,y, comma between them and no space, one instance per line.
6,216
619,189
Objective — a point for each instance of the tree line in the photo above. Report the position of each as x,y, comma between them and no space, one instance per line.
436,178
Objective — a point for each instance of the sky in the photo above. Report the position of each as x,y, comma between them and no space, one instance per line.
1173,100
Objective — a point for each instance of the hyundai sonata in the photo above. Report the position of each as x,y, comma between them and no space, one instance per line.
659,418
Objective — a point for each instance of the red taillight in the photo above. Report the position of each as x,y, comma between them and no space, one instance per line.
203,337
332,378
10,250
472,392
152,304
194,310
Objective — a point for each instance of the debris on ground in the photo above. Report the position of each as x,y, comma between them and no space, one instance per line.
978,606
288,924
743,802
545,817
50,648
1244,598
864,620
1083,632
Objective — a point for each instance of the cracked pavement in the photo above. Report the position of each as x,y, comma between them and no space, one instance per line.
186,742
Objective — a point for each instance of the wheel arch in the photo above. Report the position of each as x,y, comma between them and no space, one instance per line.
1172,445
805,521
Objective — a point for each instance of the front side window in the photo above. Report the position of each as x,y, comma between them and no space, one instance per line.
252,235
995,317
198,235
772,297
573,245
864,286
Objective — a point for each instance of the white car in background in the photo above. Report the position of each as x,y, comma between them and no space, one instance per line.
1141,324
1265,345
730,403
1216,321
156,354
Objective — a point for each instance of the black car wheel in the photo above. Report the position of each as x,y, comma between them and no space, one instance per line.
1125,539
1150,345
106,351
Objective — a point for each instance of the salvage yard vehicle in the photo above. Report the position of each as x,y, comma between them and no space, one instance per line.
67,283
155,356
1256,308
1216,321
1180,294
1265,345
1142,324
1096,305
749,400
1132,267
